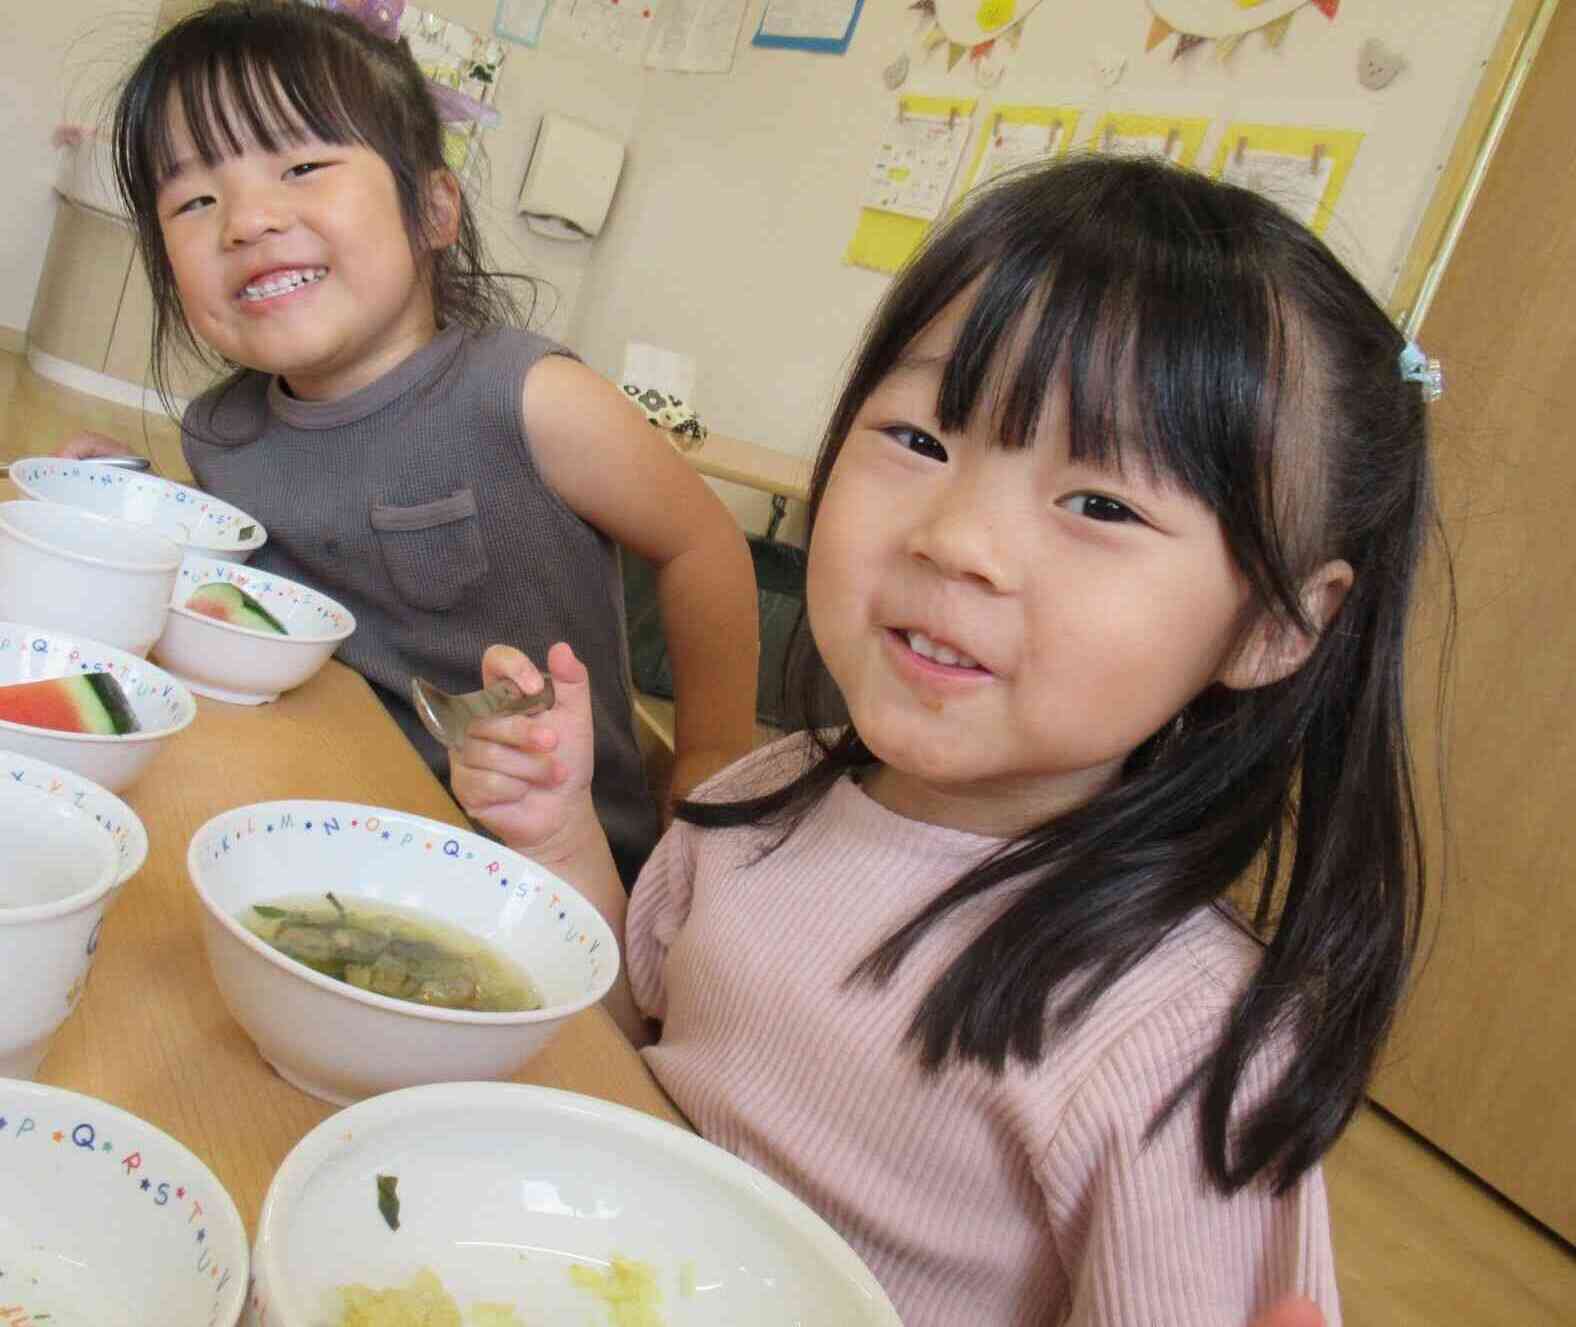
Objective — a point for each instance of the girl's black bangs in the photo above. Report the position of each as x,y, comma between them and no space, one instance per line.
293,89
1171,365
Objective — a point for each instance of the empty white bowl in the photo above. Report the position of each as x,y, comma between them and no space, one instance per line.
120,822
106,1220
74,570
197,522
60,866
243,665
340,1043
163,706
503,1188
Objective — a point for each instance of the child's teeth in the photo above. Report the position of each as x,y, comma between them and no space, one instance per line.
922,644
287,281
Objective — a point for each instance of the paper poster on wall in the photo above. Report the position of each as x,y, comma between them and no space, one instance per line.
619,28
910,179
1303,170
696,36
1014,136
1177,138
520,21
809,25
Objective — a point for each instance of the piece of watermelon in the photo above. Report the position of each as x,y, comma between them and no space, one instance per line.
228,603
82,703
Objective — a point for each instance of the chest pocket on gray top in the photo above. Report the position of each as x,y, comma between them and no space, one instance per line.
433,551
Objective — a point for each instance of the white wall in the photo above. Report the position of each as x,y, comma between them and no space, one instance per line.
57,57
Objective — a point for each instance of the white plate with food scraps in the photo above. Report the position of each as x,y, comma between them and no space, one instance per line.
194,520
106,1221
537,1199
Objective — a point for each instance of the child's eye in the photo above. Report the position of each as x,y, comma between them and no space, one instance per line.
193,204
304,168
917,441
1098,507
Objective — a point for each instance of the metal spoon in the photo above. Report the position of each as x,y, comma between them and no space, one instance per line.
123,462
447,717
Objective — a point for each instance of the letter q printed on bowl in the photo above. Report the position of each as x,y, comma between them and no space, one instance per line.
172,1197
209,511
406,840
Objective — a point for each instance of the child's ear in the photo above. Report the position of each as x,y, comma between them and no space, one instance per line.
1276,648
443,209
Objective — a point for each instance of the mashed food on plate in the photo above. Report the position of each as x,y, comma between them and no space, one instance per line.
628,1290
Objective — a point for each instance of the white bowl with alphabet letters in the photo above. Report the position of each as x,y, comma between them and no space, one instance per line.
106,1220
342,1043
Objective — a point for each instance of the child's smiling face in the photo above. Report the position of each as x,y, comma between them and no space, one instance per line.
295,261
1006,626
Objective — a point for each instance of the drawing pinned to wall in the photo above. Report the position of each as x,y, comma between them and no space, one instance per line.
619,28
826,26
910,179
1014,136
1177,138
520,21
1227,23
696,36
1303,170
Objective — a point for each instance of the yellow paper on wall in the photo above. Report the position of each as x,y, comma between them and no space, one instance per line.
910,180
1013,136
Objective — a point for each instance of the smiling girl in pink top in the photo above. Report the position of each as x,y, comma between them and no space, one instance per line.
1113,537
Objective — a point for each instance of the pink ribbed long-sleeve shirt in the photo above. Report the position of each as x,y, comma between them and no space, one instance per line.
977,1201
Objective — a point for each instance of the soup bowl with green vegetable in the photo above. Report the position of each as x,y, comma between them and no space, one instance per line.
365,949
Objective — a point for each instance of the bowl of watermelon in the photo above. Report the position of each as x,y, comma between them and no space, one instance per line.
245,636
74,702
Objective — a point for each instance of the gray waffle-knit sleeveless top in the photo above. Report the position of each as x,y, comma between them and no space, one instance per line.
416,502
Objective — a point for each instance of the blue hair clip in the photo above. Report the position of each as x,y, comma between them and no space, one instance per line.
1418,367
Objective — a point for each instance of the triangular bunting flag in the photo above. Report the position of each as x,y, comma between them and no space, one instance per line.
978,53
1275,33
933,39
1226,47
1185,43
1328,7
955,53
1014,34
925,7
1159,30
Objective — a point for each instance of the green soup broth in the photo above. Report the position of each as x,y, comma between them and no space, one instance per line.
399,952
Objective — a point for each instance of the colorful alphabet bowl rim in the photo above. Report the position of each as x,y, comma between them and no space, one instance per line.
123,825
160,701
308,616
412,862
535,1181
118,1206
190,517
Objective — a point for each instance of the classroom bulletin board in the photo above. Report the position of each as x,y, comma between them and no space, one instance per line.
1370,122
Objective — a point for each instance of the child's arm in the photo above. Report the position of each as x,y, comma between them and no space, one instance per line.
606,462
528,780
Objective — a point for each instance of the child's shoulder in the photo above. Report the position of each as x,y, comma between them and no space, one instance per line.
234,409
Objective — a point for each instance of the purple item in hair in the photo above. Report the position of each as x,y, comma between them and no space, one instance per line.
381,17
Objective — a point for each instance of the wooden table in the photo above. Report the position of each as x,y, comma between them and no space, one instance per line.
152,1035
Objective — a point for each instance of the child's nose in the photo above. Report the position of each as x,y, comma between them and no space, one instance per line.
252,214
966,533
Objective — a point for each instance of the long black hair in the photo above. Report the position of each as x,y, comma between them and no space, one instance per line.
263,71
1266,383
